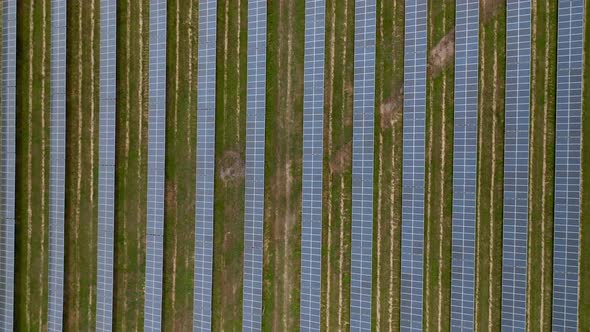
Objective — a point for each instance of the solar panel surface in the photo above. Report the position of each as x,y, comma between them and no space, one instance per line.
106,169
205,166
566,242
464,164
362,165
254,197
7,165
156,167
313,124
516,161
413,165
57,170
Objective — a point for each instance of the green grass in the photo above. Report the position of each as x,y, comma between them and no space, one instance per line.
438,172
81,164
584,309
131,167
282,231
542,98
32,164
179,236
488,279
230,159
338,152
388,170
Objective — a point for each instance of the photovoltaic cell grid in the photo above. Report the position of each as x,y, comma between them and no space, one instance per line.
106,170
362,165
516,163
313,123
567,165
254,197
58,159
464,164
413,166
7,165
205,166
156,162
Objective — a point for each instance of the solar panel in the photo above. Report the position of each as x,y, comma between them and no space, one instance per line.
568,126
106,170
413,165
516,161
7,165
311,198
156,162
205,166
254,196
362,165
57,171
464,164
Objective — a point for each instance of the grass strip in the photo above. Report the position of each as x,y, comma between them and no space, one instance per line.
32,164
230,147
284,139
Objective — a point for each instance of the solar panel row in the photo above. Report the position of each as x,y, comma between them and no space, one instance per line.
516,161
568,125
311,200
413,165
58,159
106,170
156,162
7,165
205,166
362,165
254,197
464,164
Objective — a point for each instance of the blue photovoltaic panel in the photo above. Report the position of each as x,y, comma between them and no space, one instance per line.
362,165
254,197
464,164
7,165
413,166
311,198
205,166
516,164
106,169
566,242
58,160
156,162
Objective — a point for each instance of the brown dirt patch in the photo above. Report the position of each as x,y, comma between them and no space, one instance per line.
341,160
391,109
442,54
231,167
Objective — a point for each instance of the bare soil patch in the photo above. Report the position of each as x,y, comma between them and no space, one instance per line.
391,109
341,160
231,167
442,54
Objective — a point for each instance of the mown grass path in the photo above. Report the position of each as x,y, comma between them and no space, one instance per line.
230,147
388,164
282,190
337,170
83,47
181,103
131,164
32,163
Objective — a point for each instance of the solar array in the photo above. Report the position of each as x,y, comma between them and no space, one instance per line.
254,197
567,165
516,164
58,160
413,166
362,165
106,170
7,165
205,166
313,124
464,164
156,162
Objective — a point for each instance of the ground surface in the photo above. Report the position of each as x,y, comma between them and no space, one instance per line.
282,236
